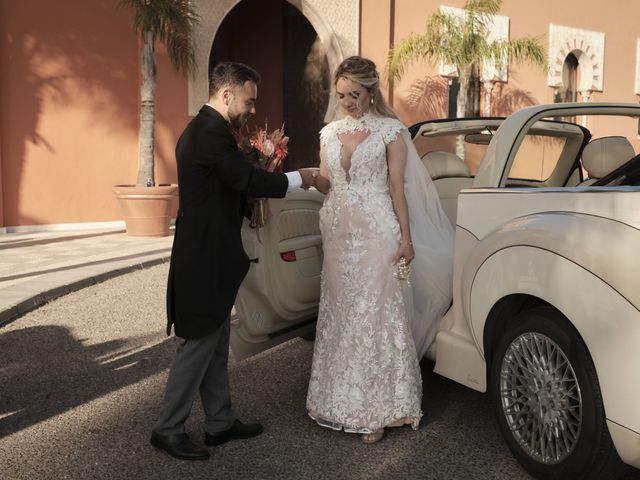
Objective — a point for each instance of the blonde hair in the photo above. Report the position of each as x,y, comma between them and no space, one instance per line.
363,72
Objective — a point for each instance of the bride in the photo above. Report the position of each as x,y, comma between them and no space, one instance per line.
381,213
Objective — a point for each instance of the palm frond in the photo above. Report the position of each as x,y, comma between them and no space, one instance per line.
171,22
410,49
446,33
528,50
499,52
483,7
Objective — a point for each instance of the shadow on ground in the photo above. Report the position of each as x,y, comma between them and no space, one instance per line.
45,371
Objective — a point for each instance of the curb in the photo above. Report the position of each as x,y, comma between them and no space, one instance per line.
11,314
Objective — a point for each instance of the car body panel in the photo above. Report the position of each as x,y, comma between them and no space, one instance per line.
548,254
607,322
456,354
278,299
627,443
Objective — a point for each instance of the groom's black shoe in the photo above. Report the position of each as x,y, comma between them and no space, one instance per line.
179,446
237,431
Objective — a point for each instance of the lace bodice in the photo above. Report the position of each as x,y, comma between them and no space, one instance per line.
368,171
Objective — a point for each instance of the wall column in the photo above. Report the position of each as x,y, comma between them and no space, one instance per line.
586,95
377,22
1,190
488,88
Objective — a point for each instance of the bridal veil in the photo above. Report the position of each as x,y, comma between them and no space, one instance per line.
429,296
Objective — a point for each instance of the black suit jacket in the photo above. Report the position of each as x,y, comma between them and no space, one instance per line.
208,262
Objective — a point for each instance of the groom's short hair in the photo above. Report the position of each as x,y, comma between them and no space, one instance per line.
230,74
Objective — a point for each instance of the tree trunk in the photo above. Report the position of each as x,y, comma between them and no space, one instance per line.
473,102
469,96
147,111
461,110
468,100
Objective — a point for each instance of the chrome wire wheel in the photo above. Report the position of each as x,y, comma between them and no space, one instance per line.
540,398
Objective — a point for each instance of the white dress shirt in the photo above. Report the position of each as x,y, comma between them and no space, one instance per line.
295,180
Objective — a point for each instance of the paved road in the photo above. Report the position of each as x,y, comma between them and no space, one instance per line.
81,380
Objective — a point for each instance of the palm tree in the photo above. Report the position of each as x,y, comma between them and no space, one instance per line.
171,22
463,42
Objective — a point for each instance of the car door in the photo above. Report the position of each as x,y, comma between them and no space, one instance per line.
279,297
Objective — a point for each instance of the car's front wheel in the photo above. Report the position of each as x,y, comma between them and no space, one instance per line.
548,400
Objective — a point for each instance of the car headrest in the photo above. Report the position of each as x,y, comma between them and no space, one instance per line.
603,155
445,164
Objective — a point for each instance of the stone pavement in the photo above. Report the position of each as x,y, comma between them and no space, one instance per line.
38,267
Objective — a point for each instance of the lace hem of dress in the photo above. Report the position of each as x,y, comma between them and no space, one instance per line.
323,422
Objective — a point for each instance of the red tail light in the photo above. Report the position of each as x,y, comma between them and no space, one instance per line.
288,256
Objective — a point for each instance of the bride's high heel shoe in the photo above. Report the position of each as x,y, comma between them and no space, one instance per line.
374,437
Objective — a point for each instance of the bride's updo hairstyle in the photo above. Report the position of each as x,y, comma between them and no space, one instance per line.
363,72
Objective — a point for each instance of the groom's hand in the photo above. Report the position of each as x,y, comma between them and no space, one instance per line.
308,176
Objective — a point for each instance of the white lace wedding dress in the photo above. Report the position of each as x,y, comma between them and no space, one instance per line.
365,372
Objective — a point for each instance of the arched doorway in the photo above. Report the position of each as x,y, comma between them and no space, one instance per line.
275,38
570,79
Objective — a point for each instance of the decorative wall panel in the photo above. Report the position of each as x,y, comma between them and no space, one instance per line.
587,46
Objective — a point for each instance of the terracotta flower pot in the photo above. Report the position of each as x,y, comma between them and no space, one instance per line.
148,210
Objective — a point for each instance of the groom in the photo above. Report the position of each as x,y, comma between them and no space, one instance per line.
208,262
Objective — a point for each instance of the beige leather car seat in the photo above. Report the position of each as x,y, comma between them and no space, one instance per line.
450,175
603,155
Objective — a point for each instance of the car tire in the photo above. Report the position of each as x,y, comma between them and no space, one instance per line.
548,402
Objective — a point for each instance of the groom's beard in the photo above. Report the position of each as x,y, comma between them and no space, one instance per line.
237,120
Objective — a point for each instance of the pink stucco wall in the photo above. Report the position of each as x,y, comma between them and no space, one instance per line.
69,97
69,110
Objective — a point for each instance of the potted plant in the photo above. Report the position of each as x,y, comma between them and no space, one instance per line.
148,208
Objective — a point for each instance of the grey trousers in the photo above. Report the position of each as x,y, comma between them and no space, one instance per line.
199,365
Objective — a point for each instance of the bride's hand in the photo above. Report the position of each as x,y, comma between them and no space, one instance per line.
404,250
309,177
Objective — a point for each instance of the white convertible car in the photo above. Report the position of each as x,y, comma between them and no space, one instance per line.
545,313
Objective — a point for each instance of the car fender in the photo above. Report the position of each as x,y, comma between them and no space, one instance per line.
571,262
